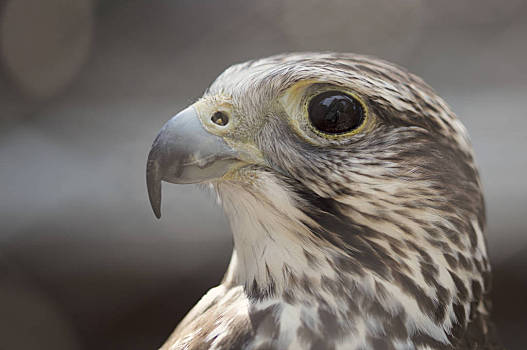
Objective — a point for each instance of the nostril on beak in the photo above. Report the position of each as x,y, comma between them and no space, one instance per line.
220,118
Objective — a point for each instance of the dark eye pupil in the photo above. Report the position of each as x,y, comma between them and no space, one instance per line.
334,112
220,118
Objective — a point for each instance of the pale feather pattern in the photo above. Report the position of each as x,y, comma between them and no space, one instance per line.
372,242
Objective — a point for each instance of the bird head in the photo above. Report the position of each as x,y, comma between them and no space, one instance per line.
332,165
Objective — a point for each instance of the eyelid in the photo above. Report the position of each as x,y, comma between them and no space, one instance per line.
292,97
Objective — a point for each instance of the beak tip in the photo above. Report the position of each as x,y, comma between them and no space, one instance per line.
153,182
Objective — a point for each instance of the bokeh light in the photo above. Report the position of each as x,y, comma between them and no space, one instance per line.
45,43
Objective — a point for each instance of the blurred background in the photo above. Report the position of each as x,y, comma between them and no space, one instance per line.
86,84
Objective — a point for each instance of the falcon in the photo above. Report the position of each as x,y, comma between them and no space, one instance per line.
355,206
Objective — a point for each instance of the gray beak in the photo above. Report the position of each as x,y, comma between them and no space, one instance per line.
185,153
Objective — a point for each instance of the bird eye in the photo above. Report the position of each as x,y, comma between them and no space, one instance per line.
334,112
220,118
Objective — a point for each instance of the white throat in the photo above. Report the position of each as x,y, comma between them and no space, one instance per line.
270,237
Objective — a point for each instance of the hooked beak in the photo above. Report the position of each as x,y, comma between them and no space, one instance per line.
185,153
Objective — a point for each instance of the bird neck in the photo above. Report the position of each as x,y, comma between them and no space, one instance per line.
278,255
300,251
277,262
